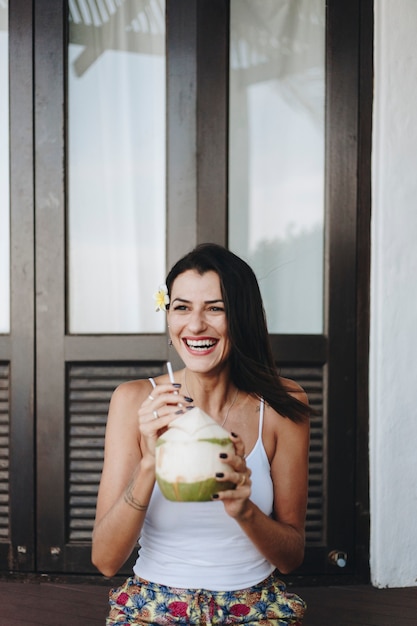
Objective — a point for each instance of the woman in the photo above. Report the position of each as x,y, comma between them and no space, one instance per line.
211,562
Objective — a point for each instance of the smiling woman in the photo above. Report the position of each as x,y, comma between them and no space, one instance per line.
217,561
197,321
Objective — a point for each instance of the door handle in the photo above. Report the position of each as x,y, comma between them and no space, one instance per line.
338,558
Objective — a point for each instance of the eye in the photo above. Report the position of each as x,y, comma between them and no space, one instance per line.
216,309
180,307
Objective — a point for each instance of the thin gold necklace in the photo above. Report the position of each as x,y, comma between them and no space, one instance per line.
231,404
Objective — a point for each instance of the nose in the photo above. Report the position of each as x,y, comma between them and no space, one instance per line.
197,322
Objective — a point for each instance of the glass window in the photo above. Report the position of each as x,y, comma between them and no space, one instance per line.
116,166
4,173
276,168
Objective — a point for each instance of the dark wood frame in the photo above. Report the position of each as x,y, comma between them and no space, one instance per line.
54,554
50,281
197,209
363,246
197,124
22,556
349,69
342,66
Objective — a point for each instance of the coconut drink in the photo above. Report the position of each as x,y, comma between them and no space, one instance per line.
187,458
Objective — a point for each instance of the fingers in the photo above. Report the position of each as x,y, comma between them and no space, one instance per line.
236,471
236,460
169,393
164,401
242,480
238,444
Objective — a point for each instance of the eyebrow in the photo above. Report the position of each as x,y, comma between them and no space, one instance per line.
205,301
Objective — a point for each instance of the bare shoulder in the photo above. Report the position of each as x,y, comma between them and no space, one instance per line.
281,428
294,389
124,404
136,390
131,391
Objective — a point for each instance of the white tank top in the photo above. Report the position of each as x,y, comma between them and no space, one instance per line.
196,545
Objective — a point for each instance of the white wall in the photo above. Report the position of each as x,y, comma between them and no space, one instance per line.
393,357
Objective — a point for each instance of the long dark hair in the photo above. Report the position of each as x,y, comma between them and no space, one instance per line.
252,365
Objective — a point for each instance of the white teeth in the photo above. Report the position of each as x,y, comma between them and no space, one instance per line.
200,344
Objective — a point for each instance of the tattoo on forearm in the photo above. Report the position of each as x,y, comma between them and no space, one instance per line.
131,500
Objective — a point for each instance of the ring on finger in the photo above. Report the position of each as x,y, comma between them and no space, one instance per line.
155,414
242,481
151,397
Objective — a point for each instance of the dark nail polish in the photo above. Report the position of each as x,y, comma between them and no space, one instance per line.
180,412
187,399
219,475
176,385
234,435
215,496
187,408
223,455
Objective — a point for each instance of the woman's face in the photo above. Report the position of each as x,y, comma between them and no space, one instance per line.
197,321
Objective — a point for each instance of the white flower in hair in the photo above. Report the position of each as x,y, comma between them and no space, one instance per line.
161,298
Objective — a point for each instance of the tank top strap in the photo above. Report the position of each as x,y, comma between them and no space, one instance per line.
261,418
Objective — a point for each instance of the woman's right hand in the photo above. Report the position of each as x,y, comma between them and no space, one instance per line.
163,404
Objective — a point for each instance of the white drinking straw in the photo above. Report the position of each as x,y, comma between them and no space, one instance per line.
171,378
170,372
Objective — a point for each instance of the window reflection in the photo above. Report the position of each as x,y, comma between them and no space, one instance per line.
4,172
276,168
116,165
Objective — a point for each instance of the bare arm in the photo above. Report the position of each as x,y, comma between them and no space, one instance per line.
128,476
117,525
281,538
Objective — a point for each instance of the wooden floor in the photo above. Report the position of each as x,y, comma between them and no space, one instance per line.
84,604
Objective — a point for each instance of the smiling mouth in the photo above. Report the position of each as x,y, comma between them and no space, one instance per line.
200,344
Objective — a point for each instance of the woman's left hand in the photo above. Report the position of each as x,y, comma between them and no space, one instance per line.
236,471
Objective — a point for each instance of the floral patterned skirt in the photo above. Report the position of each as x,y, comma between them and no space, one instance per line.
141,602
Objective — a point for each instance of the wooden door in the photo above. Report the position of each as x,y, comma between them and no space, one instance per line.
56,385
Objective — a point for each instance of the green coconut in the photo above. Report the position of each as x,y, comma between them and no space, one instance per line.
187,458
